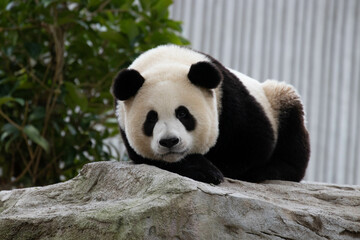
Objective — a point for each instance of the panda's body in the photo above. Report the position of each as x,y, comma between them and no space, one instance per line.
183,111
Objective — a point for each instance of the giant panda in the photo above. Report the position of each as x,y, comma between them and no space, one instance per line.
183,111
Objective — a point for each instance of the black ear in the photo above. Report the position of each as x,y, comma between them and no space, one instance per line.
204,74
127,83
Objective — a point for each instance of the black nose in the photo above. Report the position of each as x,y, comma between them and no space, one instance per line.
169,142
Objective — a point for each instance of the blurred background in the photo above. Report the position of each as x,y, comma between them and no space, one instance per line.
58,59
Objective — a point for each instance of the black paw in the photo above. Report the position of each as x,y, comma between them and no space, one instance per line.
197,167
206,175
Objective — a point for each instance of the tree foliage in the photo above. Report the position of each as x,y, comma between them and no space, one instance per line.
57,61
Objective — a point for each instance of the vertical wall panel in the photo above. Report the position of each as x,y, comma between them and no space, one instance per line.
312,44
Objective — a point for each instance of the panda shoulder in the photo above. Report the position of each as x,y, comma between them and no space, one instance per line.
257,91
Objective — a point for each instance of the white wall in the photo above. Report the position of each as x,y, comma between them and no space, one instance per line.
312,44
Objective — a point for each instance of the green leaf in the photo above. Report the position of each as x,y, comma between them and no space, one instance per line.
114,36
93,3
4,135
83,24
8,142
3,4
129,27
175,25
160,9
33,48
8,129
37,113
7,99
72,130
46,3
75,97
145,4
20,101
10,5
35,136
166,38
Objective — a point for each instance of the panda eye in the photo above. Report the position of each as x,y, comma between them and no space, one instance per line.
181,112
181,115
186,118
152,116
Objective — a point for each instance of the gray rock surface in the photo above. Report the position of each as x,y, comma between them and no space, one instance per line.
112,200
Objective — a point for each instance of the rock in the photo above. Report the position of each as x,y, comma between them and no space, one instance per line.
112,200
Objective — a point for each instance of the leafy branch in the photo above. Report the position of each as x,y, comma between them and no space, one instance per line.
57,61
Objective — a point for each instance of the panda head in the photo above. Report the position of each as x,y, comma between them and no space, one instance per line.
168,110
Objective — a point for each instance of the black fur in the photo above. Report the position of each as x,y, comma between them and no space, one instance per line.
246,139
127,83
246,148
149,124
204,74
186,118
247,136
290,157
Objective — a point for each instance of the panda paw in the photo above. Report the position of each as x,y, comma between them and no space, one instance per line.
209,176
197,167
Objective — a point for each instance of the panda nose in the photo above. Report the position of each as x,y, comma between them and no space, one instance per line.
169,142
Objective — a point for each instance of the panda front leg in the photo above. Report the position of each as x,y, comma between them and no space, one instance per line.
197,167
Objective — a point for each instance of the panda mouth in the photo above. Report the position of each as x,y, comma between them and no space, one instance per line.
173,153
173,156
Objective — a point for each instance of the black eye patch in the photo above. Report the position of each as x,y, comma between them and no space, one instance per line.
150,121
185,117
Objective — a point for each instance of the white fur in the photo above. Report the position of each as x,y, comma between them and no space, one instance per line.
169,55
281,95
171,128
151,63
167,87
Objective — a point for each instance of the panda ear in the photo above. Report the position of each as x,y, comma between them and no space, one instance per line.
204,74
126,84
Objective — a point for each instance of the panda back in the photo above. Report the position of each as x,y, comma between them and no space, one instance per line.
256,89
